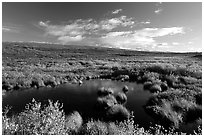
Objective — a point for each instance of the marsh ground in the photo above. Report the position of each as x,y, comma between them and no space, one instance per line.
175,78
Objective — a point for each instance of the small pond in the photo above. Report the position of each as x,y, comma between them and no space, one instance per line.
82,98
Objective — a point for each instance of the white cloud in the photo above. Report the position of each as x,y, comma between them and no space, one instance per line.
109,24
117,33
116,11
190,42
81,28
65,39
144,38
162,45
175,43
159,32
158,11
159,8
41,23
5,29
108,32
10,29
145,22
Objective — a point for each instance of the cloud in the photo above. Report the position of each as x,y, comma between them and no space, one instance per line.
143,38
159,8
110,32
10,29
116,11
158,11
175,43
117,33
162,45
81,28
145,22
5,29
65,39
159,32
190,42
109,24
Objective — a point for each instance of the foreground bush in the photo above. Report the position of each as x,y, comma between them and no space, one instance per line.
38,120
51,120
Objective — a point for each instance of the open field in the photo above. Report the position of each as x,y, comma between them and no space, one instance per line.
174,79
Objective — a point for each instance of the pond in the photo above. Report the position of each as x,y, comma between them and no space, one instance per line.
82,98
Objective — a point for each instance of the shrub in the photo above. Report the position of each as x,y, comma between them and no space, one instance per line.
106,101
155,88
170,80
160,69
164,86
117,112
73,122
147,85
37,82
104,91
165,114
121,98
36,120
125,89
126,127
50,81
95,128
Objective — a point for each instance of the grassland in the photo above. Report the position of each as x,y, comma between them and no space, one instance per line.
174,79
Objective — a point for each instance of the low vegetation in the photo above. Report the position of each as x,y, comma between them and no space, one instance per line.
174,79
51,120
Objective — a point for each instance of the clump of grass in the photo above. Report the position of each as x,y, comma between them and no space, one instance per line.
37,83
169,79
106,101
50,81
164,86
117,112
74,122
95,128
147,85
104,91
125,89
160,69
165,114
121,98
155,88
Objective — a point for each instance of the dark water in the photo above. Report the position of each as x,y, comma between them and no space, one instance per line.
83,99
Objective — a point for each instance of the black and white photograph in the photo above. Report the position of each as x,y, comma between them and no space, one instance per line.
101,68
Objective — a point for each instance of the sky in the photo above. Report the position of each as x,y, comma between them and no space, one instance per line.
145,26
